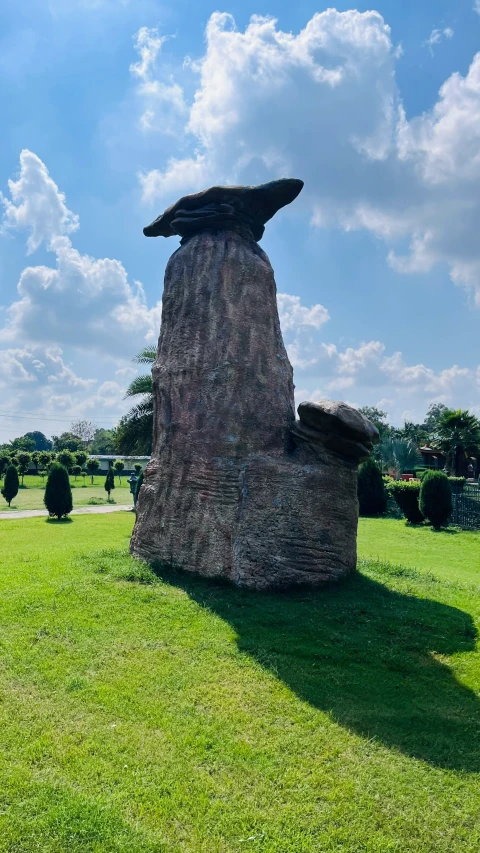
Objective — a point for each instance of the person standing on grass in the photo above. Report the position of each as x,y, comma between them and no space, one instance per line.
132,480
109,481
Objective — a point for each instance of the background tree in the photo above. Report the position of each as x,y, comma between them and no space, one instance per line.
103,443
414,432
92,466
24,461
119,467
58,494
66,458
10,484
23,443
84,430
81,457
41,441
372,497
109,482
36,459
378,418
436,498
67,441
134,432
457,437
76,471
44,460
4,463
434,413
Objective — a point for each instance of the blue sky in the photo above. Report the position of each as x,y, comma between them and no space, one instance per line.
112,109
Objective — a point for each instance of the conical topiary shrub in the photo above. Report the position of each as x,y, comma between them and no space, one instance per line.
10,484
109,481
436,498
58,494
372,497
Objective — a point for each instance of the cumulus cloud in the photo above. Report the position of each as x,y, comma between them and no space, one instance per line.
367,374
41,390
293,314
36,203
323,105
83,302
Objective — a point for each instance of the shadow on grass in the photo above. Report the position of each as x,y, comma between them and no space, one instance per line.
54,520
365,654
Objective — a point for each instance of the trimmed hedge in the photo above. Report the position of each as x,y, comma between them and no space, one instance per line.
58,494
10,484
372,497
109,481
406,495
457,484
436,498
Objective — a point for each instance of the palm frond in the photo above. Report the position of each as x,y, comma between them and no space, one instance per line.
147,355
143,408
140,385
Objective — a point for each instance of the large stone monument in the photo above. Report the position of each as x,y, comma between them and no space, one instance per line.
236,487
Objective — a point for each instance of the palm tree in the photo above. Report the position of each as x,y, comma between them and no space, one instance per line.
134,432
399,455
457,437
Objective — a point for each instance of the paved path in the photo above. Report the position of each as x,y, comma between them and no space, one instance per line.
83,510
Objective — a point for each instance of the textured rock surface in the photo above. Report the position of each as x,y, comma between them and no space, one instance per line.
236,487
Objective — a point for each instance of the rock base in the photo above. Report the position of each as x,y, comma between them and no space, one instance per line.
265,523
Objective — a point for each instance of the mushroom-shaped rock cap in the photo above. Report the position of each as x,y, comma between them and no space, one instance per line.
217,206
329,416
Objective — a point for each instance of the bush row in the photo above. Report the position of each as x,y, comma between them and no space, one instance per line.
430,499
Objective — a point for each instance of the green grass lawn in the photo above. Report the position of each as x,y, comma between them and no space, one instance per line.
36,481
146,714
83,493
448,554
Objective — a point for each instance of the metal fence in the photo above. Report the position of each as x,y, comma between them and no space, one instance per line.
466,508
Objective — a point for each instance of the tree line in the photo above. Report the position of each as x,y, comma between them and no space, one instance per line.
455,434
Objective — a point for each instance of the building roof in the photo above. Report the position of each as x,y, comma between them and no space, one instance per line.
117,456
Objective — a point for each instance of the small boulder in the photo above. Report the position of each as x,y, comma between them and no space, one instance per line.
332,416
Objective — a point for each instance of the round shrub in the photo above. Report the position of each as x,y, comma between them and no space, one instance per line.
372,497
436,498
58,494
406,495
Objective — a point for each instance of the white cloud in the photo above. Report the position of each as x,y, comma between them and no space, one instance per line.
37,203
148,43
323,105
437,36
40,390
367,375
476,6
162,101
293,314
83,302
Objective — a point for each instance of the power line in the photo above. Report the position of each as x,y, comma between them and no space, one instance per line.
32,416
